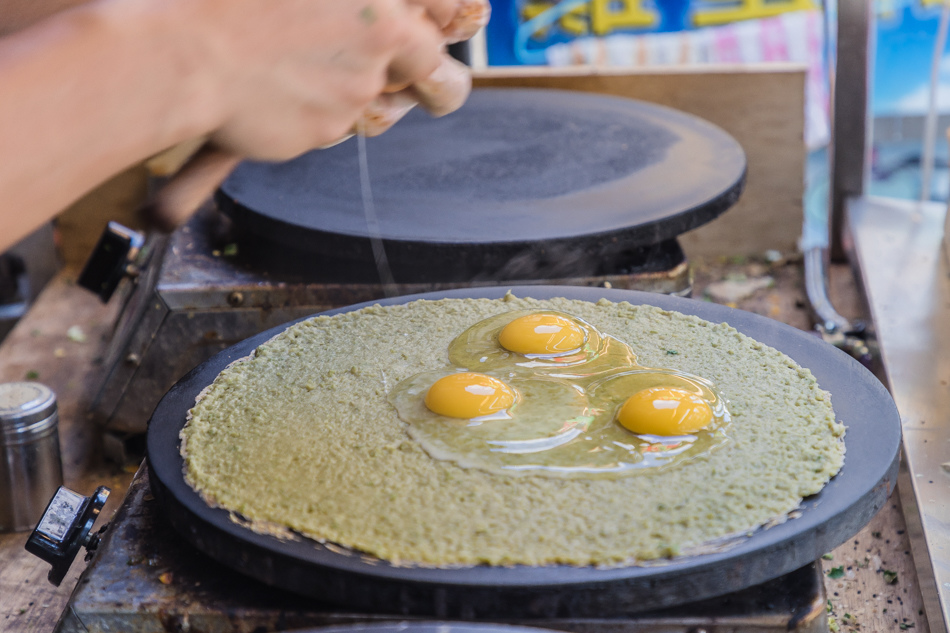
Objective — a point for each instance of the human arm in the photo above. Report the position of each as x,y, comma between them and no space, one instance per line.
95,88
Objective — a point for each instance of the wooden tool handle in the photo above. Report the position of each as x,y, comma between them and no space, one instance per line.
193,183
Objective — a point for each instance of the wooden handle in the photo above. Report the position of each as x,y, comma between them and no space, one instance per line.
194,183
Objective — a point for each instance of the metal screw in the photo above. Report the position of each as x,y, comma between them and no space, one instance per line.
235,299
133,359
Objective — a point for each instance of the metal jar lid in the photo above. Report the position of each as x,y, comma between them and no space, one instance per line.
22,404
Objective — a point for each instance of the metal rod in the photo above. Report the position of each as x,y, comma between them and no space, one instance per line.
851,133
816,289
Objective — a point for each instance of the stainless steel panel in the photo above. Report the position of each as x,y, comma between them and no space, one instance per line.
898,244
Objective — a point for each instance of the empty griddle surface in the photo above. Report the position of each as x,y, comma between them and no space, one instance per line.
512,170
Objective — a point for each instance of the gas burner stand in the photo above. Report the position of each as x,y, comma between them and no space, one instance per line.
144,577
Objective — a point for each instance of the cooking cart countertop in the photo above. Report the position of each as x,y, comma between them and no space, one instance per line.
870,580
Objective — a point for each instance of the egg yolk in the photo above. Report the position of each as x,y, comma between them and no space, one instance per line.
664,411
542,334
468,395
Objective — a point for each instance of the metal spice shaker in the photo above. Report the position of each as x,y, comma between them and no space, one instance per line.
31,469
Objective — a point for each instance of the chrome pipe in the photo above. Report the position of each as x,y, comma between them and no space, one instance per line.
816,288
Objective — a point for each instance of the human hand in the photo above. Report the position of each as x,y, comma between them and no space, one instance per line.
444,90
363,77
297,74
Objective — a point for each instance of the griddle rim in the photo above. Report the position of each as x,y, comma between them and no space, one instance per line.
357,245
827,519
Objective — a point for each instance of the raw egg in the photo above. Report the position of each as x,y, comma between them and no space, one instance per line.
542,334
664,411
549,343
468,395
538,431
546,393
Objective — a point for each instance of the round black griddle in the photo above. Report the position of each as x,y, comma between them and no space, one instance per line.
351,580
513,183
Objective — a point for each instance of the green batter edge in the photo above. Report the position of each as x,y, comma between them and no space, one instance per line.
300,435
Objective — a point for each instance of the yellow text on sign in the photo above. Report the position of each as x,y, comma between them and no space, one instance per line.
574,22
600,17
607,16
716,12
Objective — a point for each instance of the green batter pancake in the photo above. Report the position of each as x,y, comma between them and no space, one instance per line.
302,435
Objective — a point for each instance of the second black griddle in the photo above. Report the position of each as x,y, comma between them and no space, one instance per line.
514,184
334,575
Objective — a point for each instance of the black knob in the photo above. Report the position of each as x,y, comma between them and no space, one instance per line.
110,260
65,527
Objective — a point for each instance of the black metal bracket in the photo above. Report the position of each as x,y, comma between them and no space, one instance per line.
66,526
110,260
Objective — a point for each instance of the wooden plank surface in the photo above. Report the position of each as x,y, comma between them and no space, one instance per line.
40,344
762,107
